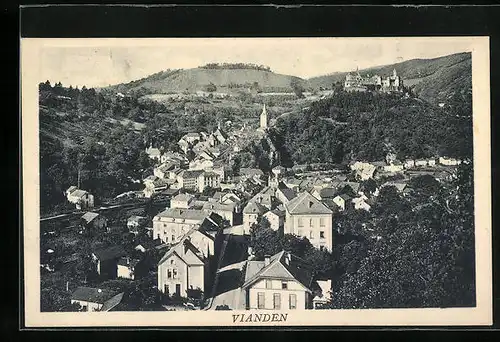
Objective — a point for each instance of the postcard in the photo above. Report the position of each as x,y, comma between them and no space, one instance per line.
241,182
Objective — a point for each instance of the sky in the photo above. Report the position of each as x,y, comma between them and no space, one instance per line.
103,62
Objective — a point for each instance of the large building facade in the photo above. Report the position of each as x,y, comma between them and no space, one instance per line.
171,224
355,82
307,217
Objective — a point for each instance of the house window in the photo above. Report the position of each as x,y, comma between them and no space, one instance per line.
261,300
158,236
311,235
284,285
322,222
300,222
169,274
299,232
269,284
173,238
321,235
174,273
277,301
321,248
292,299
165,288
310,222
171,262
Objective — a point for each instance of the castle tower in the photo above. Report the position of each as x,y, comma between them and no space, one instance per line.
263,118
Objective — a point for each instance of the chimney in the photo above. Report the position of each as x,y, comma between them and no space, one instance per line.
267,260
288,257
250,253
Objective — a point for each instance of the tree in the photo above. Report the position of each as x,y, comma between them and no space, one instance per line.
211,88
297,87
423,257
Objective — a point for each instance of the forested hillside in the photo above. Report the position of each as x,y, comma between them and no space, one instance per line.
81,129
434,80
366,126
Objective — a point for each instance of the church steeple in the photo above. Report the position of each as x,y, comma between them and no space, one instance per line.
263,118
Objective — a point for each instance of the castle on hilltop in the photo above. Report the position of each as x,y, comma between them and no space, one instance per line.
355,82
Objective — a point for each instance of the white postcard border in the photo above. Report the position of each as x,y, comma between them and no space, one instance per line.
480,315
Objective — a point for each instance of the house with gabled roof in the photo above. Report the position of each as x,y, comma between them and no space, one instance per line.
342,201
172,223
226,211
251,213
95,299
183,268
149,245
153,153
284,193
306,216
182,201
106,260
324,193
276,219
280,282
81,198
93,222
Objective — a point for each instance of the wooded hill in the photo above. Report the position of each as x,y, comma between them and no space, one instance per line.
434,80
365,126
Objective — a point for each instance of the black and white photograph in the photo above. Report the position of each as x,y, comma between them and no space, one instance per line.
257,180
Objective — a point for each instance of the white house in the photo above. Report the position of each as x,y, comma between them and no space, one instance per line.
448,161
360,203
306,216
226,211
276,219
154,153
325,296
95,299
342,200
171,224
394,167
135,221
421,162
181,201
126,268
363,170
252,211
163,170
208,179
409,163
182,268
280,282
81,198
